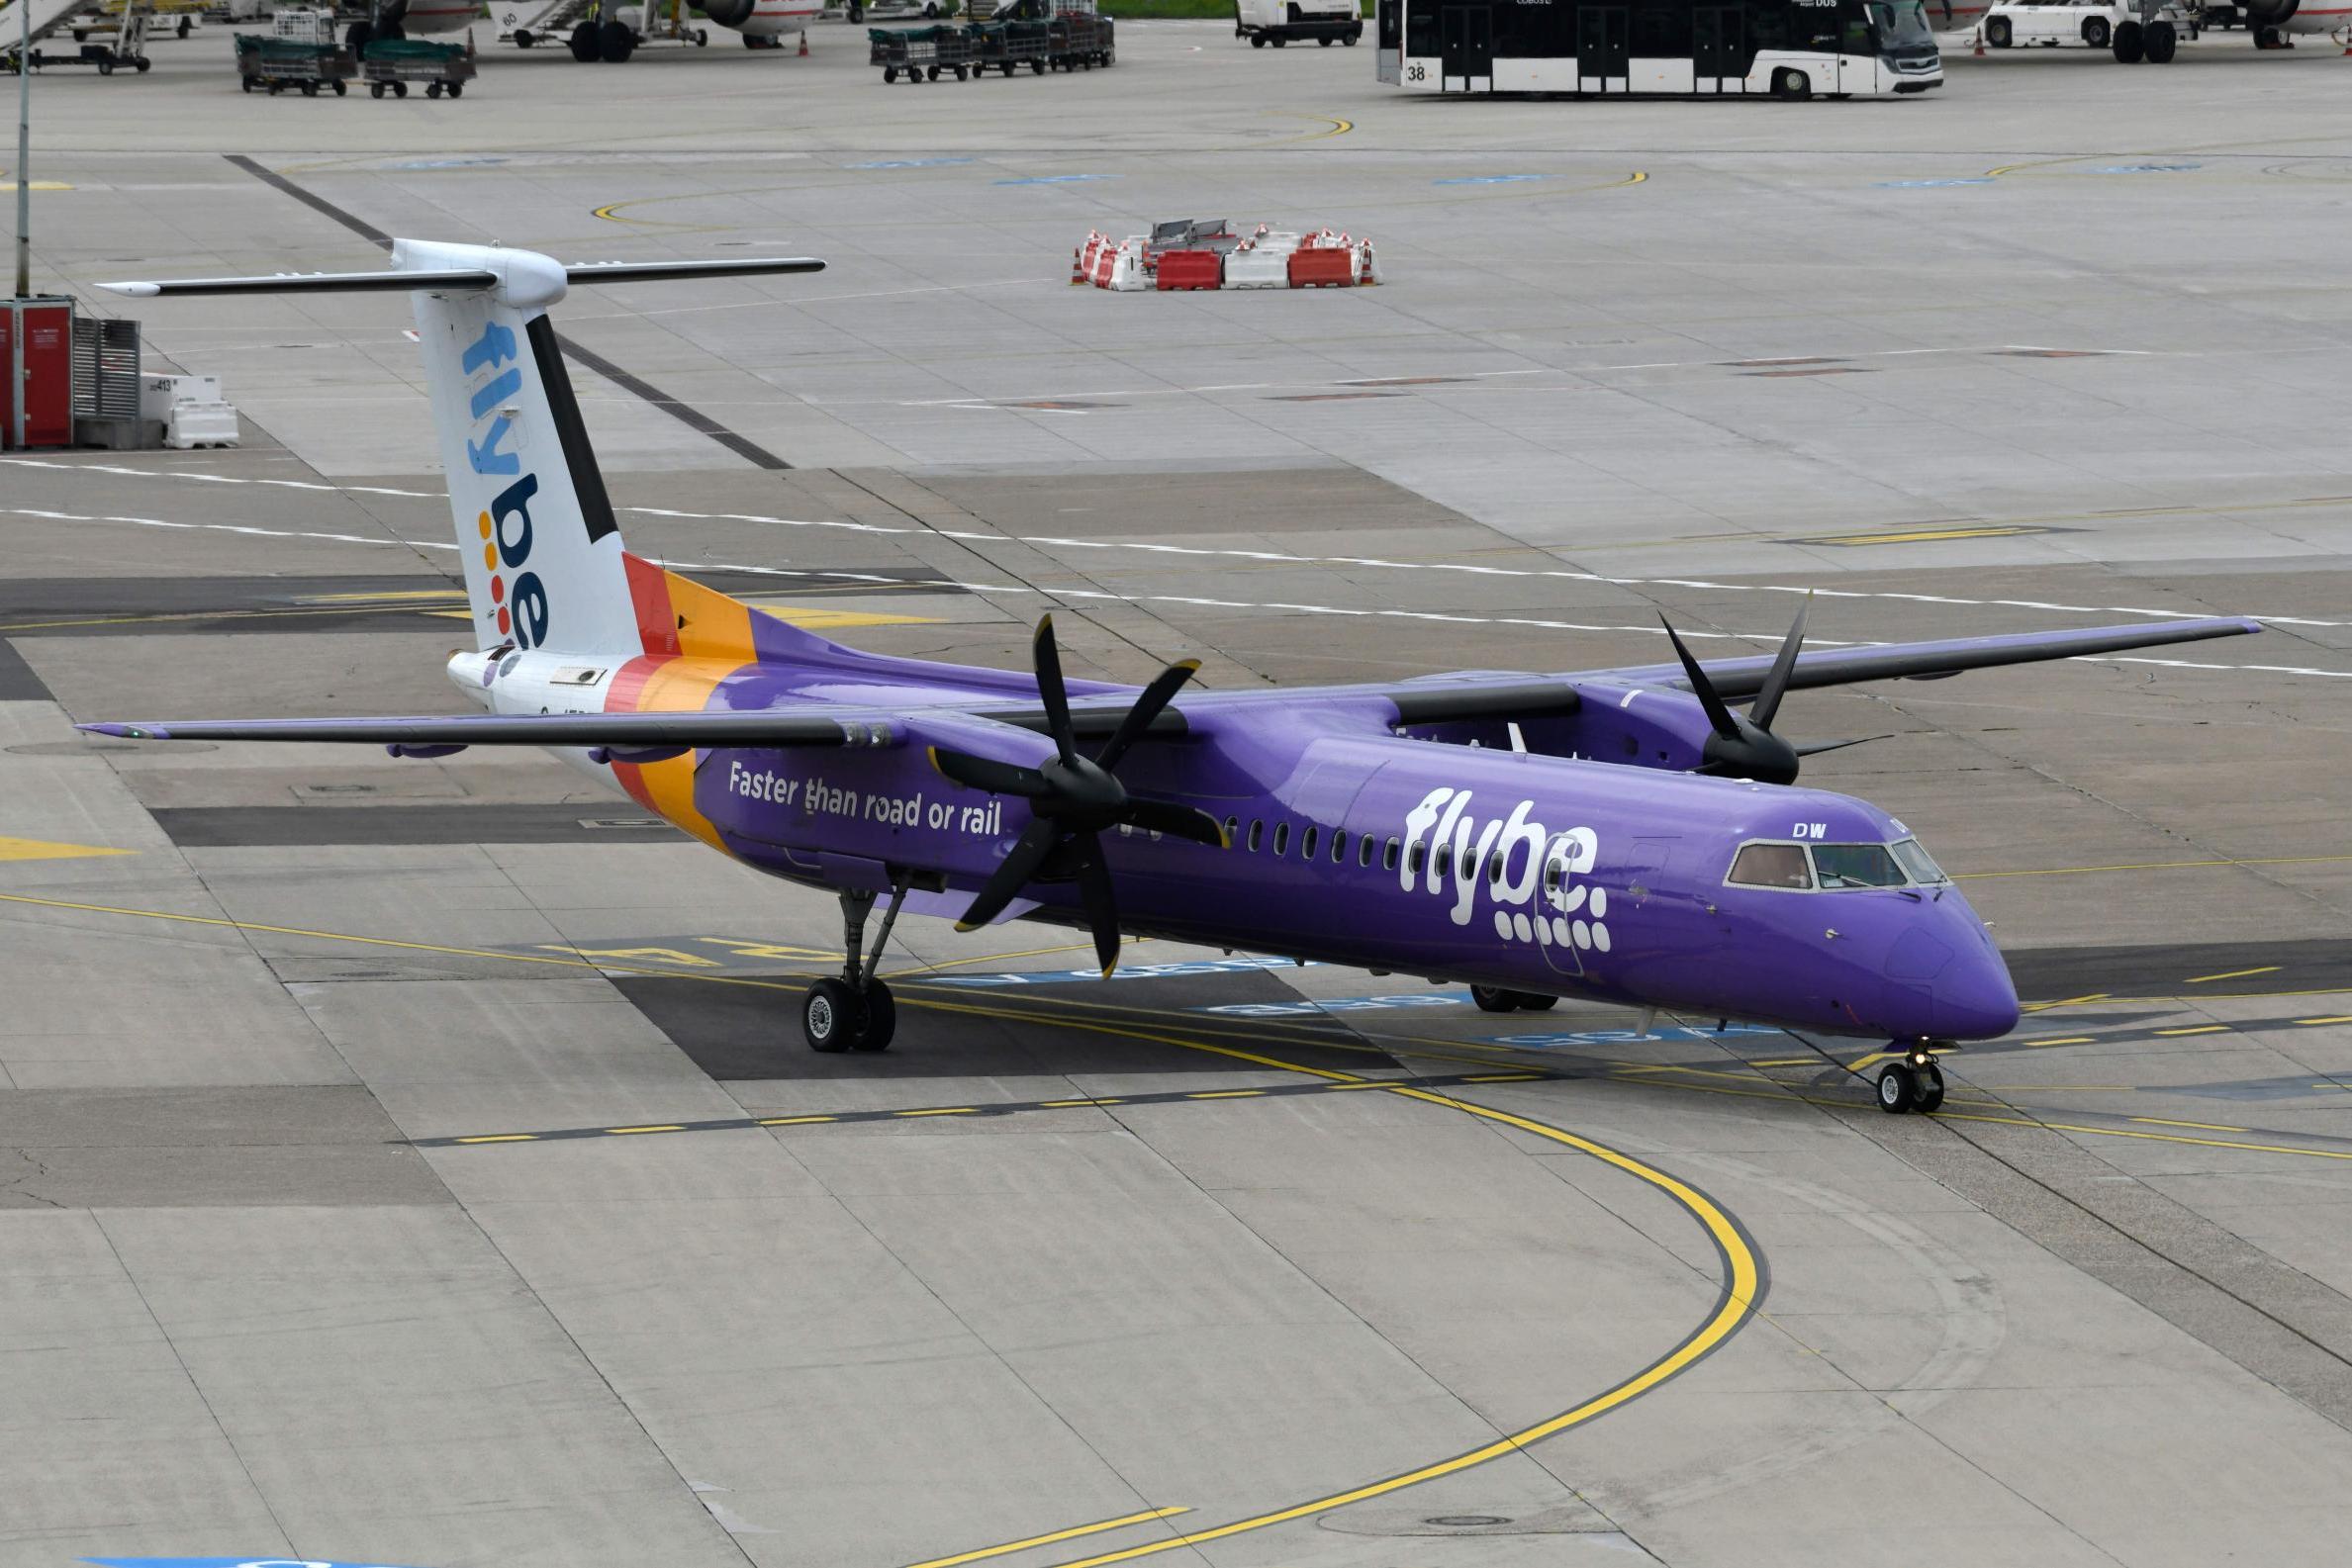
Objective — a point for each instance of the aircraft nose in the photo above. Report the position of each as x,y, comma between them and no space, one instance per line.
1974,997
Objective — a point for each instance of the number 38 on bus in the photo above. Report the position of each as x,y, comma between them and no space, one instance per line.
1788,48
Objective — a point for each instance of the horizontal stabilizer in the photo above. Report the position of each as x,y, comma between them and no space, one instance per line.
465,277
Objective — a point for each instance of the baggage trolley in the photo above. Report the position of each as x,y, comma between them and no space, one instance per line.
922,54
390,64
273,64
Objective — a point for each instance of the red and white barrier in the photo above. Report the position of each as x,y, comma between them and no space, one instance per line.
1269,258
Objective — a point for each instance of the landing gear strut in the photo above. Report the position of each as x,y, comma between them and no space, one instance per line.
854,1012
1914,1083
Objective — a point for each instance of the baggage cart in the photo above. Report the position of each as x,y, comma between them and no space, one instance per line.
1006,46
920,53
391,64
273,64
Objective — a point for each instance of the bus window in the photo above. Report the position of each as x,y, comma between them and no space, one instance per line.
1391,22
1661,32
1855,38
1421,27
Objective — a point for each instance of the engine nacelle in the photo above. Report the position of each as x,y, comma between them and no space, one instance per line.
760,18
1634,727
2269,13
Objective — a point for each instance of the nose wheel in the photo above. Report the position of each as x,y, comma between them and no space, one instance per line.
1913,1084
856,1011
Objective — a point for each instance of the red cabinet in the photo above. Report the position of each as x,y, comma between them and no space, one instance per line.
42,332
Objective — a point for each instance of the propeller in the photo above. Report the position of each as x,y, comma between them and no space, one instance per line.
1072,798
1746,747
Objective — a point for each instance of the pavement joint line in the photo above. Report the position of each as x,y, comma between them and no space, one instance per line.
1275,557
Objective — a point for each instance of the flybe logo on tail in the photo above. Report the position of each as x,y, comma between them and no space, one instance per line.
517,598
1535,878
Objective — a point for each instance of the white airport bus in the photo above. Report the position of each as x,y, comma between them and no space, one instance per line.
1788,48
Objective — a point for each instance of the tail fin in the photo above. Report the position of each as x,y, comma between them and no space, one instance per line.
544,562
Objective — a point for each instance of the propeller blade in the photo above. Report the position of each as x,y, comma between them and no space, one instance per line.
1103,909
1776,681
986,773
1036,841
1703,688
1817,747
1147,707
1050,689
1183,822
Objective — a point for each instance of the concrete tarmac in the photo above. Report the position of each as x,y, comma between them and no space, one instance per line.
416,1162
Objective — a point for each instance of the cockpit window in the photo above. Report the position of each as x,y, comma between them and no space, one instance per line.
1856,865
1916,861
1771,866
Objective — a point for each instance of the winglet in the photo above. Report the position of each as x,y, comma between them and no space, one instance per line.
127,731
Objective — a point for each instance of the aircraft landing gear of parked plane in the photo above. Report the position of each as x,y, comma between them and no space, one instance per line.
1914,1083
854,1012
1495,999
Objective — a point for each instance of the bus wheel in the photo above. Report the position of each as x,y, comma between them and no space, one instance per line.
2094,33
2128,45
1794,86
1997,32
2159,40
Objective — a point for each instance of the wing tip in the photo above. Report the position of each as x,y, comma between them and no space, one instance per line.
136,290
126,731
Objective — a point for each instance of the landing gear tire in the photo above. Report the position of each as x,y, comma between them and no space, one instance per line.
1898,1088
1931,1098
2128,46
2269,38
616,41
587,43
832,1017
1534,1001
881,1018
1494,999
2094,33
2160,42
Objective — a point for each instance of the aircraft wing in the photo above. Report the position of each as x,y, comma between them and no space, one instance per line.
1737,679
785,728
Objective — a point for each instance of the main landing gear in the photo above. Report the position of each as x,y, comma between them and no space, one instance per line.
856,1011
1914,1083
1494,999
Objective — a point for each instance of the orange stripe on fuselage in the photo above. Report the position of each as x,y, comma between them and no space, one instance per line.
694,637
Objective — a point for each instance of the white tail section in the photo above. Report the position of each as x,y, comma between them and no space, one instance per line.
542,552
543,566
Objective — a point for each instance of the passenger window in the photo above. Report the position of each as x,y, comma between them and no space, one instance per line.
1338,846
1444,859
1771,866
1307,845
1256,829
1856,865
1233,830
1388,857
1281,838
1364,852
1494,871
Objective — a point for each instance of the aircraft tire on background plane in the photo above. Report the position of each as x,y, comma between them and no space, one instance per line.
585,43
832,1016
616,41
2127,44
524,38
2159,42
1494,998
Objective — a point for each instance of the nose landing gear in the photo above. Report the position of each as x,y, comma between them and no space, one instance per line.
854,1012
1915,1083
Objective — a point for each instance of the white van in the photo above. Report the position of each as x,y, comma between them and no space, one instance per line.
1277,21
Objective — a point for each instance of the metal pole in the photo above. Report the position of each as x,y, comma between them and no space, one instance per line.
24,151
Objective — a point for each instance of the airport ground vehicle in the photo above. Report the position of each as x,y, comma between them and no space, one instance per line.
1787,48
2133,31
1277,21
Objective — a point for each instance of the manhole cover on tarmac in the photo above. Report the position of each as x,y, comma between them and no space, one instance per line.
1569,1518
1465,1521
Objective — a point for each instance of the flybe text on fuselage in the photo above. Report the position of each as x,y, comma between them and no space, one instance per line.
518,597
1514,860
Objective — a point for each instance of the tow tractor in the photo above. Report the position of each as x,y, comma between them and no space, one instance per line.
2136,30
1277,21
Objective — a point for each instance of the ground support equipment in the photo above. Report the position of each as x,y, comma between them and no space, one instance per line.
273,64
920,53
443,69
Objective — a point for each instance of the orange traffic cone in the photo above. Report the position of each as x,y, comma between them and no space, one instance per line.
803,44
1979,50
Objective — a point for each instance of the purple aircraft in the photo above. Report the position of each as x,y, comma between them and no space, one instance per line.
1620,835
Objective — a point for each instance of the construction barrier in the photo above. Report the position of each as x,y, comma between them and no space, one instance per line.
1205,254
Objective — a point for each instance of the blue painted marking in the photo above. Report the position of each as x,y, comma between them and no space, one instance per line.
1927,185
1625,1037
436,163
1125,972
1058,179
1489,179
910,163
1336,1004
2149,168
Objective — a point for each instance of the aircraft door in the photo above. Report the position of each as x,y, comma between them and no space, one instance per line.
1467,42
1720,52
1603,56
1570,905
